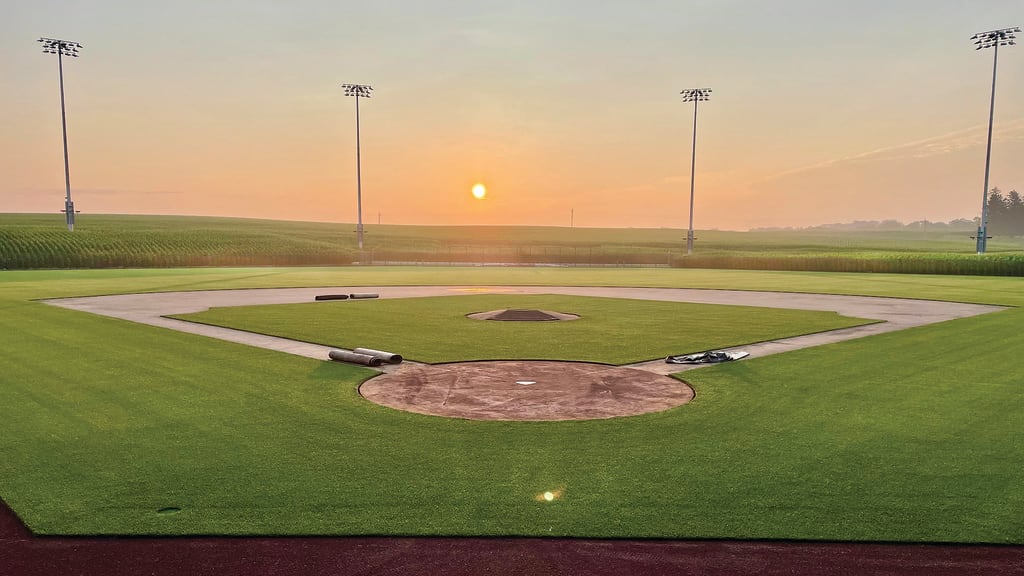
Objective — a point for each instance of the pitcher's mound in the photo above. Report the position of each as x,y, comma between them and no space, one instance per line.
520,315
525,390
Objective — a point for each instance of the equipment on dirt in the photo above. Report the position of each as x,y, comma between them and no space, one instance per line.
363,295
711,357
354,358
331,297
389,357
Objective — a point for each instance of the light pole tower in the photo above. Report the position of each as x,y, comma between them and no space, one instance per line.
693,95
358,91
63,48
991,39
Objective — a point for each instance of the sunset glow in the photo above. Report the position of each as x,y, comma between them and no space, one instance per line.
172,109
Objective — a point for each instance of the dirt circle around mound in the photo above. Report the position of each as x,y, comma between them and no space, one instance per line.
525,390
522,315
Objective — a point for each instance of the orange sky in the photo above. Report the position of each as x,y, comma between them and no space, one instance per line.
820,113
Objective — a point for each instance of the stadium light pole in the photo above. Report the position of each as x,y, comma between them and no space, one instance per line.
358,91
991,39
693,95
63,48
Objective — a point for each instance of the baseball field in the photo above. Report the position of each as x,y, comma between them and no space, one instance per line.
113,427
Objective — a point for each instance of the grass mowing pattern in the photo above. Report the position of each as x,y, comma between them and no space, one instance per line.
908,436
902,436
610,330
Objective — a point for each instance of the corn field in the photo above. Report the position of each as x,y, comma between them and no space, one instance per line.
33,241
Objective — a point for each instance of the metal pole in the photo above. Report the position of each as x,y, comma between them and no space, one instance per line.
693,166
69,206
983,227
359,186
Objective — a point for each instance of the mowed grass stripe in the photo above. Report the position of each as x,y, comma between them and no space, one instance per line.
902,435
610,330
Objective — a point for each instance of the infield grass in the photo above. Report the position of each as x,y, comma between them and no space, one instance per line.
609,330
915,435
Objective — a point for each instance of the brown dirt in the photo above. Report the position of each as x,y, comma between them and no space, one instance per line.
22,554
523,316
525,390
520,315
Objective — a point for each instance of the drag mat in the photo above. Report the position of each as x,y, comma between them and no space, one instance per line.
22,554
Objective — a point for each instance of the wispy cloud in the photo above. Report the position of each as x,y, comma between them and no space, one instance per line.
1006,131
94,192
119,192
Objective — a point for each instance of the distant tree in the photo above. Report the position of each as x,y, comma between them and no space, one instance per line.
998,217
1015,213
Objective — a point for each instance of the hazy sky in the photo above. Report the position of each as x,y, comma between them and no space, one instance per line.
821,112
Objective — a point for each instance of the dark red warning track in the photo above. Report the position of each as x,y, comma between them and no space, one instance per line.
22,554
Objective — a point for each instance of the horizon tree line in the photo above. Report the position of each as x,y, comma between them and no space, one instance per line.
1005,218
1005,213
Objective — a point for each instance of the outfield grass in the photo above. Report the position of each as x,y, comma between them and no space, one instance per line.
910,436
609,330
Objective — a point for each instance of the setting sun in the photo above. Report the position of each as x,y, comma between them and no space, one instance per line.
479,191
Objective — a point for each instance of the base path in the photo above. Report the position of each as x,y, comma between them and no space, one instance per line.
893,313
560,391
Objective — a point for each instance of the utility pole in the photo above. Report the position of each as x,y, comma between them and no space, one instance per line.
63,48
358,91
693,95
991,39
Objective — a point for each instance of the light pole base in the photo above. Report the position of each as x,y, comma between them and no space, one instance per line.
69,214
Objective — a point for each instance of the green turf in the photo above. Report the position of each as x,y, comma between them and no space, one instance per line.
609,330
910,436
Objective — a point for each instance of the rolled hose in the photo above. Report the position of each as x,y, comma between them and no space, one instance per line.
389,357
354,358
331,297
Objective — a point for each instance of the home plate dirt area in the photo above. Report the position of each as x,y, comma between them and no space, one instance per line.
525,390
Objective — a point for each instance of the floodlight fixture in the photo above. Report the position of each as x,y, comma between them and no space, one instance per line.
358,91
63,48
991,39
694,95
